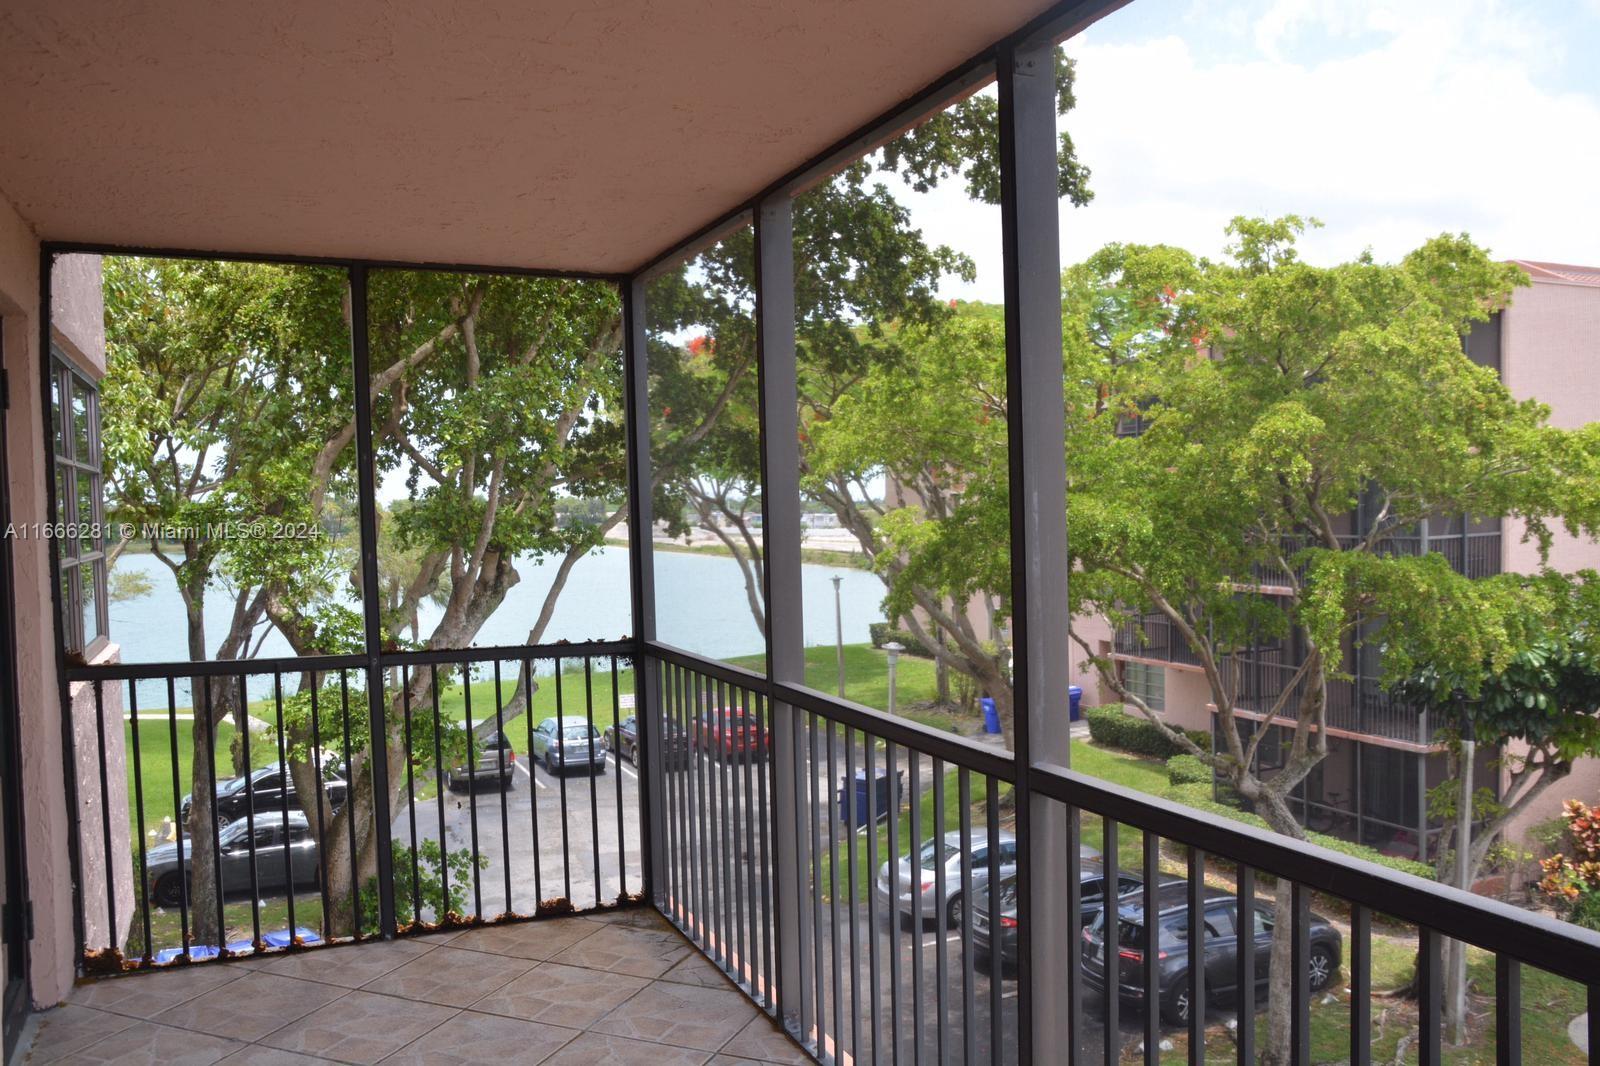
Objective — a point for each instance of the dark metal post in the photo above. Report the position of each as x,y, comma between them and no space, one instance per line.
780,555
1029,221
376,704
642,576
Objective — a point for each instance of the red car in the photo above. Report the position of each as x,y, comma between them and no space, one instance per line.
730,734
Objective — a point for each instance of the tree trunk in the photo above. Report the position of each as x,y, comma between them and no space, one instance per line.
1272,808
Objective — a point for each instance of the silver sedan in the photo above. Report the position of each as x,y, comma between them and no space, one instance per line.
916,884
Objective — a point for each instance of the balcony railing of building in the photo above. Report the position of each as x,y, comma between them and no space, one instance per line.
1153,636
1472,554
1358,705
749,828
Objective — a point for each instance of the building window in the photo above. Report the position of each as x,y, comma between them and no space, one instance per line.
80,515
1148,682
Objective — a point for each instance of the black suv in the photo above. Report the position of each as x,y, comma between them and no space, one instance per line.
270,787
1091,899
1221,949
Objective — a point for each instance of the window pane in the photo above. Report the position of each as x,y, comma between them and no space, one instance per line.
88,508
64,491
80,423
89,610
55,412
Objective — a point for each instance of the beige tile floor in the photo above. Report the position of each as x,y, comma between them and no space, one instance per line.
623,987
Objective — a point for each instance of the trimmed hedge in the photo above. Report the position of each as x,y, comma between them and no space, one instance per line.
881,633
1198,796
1111,727
1188,770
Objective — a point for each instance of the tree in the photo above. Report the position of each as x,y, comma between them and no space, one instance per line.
1299,420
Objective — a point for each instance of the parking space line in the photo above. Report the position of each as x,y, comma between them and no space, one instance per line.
523,766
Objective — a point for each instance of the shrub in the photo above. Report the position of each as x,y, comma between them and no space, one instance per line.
1585,911
881,633
1572,878
1111,727
1198,796
1188,770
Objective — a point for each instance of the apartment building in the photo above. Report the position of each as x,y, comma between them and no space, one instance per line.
1383,756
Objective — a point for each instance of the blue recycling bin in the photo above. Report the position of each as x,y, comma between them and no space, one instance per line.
991,715
886,800
1075,700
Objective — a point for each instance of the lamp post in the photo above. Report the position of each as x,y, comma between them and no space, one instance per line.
894,648
838,631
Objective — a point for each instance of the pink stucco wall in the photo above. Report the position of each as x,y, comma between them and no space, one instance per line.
79,331
44,811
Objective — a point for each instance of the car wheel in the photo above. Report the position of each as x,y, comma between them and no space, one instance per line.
1321,968
448,781
633,754
1175,1004
168,890
954,908
508,782
549,765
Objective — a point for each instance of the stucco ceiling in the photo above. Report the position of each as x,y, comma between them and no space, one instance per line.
574,134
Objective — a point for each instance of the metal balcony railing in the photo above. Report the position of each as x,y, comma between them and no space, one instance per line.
788,832
1153,637
1356,706
1474,554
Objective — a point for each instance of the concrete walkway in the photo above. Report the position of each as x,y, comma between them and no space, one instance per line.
1578,1032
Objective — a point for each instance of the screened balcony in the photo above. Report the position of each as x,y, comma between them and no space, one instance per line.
710,881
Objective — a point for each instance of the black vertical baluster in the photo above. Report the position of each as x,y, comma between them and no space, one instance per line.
1110,946
991,797
869,748
561,781
700,723
472,790
322,835
1300,980
1245,974
914,851
533,788
594,786
836,945
695,901
941,968
616,756
1197,957
283,775
969,1005
250,814
439,790
209,726
741,856
349,800
819,970
1593,1013
719,813
890,770
1074,1006
177,791
105,817
411,797
1360,985
1150,967
1430,974
668,757
1507,1010
749,935
852,817
502,766
138,808
764,783
688,883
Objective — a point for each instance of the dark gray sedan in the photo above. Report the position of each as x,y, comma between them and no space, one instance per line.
278,860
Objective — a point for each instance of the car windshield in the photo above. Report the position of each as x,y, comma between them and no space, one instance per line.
231,786
929,858
233,832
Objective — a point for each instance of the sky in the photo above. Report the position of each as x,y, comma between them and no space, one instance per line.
1391,122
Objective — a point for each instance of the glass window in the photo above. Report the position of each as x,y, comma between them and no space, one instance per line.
80,541
1148,682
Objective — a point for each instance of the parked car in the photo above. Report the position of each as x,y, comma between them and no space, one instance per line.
622,739
918,894
496,761
271,789
568,743
1091,899
1221,949
728,733
236,843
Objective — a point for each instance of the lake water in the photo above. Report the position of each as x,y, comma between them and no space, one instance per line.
700,606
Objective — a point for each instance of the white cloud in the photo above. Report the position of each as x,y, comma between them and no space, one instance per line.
1390,121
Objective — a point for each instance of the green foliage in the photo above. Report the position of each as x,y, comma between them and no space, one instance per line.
429,886
1572,878
882,633
1188,770
1198,796
1111,727
1585,910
